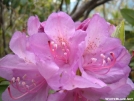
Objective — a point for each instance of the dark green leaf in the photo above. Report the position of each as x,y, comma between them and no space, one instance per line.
15,3
128,14
2,89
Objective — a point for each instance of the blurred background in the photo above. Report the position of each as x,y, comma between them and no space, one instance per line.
14,15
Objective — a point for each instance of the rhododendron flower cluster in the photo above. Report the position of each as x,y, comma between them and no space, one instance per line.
63,60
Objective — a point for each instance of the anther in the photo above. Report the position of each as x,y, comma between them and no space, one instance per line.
23,83
52,42
18,79
93,60
104,62
108,59
13,79
63,43
55,46
61,91
103,56
65,53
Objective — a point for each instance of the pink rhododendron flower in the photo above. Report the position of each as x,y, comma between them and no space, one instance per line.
100,57
77,61
83,25
59,52
21,70
25,80
114,90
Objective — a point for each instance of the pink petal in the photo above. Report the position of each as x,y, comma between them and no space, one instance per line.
97,26
10,64
33,25
59,25
113,75
129,81
57,97
120,89
47,68
19,45
84,25
75,40
112,28
97,31
77,24
94,94
38,44
67,81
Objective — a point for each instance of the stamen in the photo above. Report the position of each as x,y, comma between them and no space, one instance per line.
52,42
93,60
65,53
104,62
28,90
63,43
13,79
103,56
55,52
55,46
23,83
18,79
15,98
104,67
108,59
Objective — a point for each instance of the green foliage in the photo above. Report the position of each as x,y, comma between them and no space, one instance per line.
120,33
3,86
2,89
131,95
128,14
67,2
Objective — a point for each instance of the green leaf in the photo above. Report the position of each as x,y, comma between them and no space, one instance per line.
67,2
15,3
128,14
120,33
102,100
23,2
2,89
131,96
1,79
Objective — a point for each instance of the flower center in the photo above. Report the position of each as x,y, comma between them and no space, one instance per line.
106,63
25,85
60,51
